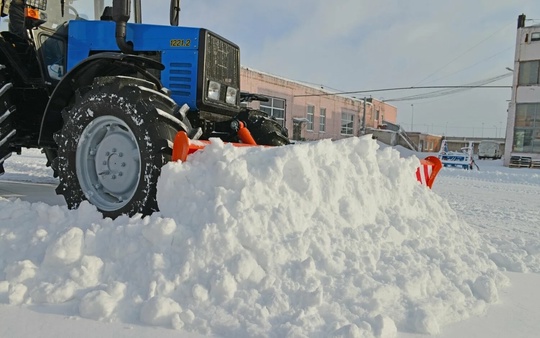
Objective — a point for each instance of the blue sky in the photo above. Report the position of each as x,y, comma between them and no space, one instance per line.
362,45
351,45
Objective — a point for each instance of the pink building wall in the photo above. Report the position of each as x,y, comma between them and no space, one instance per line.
298,96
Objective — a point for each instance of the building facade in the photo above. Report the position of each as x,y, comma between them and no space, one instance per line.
523,125
313,113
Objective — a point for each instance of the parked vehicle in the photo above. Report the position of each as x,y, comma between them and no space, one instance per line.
489,149
462,158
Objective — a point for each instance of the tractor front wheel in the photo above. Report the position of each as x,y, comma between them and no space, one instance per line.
115,139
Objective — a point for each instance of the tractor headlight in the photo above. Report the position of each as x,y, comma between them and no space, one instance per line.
231,95
214,89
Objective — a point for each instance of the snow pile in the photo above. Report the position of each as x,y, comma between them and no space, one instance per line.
318,239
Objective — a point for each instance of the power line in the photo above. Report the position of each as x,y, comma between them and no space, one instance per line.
477,63
477,84
397,88
465,52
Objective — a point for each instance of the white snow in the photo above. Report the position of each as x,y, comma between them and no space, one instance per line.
316,239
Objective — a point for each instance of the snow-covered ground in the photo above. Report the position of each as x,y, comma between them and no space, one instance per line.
311,240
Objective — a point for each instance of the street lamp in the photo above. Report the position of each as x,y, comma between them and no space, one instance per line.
482,129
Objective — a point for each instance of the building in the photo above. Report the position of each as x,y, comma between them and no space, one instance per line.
312,113
523,125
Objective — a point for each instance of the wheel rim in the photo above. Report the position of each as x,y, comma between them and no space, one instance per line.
108,163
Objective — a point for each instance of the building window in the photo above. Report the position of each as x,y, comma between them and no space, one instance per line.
527,128
310,114
535,36
322,120
347,124
529,73
275,108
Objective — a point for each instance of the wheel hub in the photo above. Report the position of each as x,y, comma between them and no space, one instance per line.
115,171
108,163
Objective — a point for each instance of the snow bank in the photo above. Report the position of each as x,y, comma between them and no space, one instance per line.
317,239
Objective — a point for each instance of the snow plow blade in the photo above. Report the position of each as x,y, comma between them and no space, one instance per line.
183,146
428,170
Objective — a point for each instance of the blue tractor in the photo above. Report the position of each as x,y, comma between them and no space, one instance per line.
103,95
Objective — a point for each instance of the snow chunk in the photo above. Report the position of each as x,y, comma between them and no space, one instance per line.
89,272
426,322
20,271
67,249
97,305
485,288
384,327
17,294
160,311
223,286
160,231
53,293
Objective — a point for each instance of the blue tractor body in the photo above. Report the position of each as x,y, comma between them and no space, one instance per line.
178,49
183,51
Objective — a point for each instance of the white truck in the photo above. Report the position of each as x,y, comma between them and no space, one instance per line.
489,149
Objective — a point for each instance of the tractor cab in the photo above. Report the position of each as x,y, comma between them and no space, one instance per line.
44,25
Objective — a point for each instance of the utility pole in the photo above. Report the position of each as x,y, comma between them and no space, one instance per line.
412,116
364,118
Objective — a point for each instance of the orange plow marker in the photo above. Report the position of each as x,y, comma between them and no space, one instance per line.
428,170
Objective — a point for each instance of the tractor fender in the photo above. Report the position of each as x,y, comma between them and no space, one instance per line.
83,75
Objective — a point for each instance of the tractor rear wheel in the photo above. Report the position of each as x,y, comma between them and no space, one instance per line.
115,139
7,129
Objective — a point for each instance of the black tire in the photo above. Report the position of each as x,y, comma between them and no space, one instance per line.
264,129
7,110
115,139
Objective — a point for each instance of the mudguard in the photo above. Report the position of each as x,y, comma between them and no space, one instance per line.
97,65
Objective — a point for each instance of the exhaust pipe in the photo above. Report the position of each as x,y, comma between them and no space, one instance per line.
121,14
174,12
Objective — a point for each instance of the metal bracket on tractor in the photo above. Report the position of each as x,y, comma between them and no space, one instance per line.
183,145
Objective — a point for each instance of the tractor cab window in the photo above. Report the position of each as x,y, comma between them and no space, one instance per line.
52,50
74,10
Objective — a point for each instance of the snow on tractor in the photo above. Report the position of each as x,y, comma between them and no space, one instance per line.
104,96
